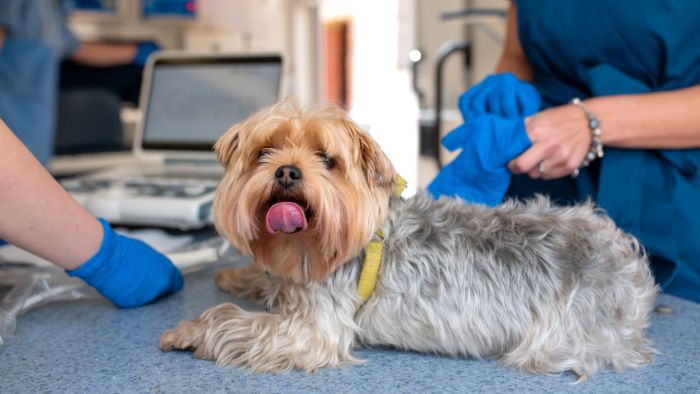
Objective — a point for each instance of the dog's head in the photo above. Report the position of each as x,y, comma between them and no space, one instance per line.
303,191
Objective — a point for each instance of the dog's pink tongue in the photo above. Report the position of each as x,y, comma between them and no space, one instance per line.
285,216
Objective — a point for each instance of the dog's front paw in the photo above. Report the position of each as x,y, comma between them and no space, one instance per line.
261,341
187,335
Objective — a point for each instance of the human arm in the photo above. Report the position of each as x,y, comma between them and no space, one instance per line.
101,54
38,215
561,136
2,36
513,58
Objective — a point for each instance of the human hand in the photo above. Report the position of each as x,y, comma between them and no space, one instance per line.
560,139
143,51
479,173
502,95
128,272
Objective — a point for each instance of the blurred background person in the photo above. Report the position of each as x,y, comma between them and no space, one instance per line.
34,38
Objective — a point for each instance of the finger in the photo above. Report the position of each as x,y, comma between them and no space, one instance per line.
540,170
508,96
466,101
509,105
528,160
456,138
563,167
525,104
465,98
493,104
534,174
554,173
521,104
477,104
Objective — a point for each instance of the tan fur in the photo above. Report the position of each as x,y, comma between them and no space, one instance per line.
307,330
245,282
347,214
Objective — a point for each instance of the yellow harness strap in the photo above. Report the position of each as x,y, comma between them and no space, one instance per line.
373,254
399,185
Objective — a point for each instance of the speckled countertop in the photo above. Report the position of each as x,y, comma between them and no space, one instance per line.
92,347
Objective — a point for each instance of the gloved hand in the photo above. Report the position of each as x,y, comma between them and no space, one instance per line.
501,95
143,50
479,174
128,272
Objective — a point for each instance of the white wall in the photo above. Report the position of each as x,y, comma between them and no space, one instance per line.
382,98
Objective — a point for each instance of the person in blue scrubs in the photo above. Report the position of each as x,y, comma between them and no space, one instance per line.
33,39
636,68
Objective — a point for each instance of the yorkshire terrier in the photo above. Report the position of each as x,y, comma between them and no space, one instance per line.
542,288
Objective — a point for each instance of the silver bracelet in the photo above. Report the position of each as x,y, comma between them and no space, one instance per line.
596,149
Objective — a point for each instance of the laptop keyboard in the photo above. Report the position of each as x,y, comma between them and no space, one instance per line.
143,186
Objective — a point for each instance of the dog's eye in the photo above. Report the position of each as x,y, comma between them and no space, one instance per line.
264,152
328,161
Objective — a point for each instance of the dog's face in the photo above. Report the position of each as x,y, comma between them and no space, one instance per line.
303,191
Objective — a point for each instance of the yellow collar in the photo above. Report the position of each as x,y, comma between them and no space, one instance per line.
373,255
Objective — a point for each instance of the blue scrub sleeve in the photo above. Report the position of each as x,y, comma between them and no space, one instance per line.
70,42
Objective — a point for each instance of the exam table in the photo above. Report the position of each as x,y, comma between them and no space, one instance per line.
91,346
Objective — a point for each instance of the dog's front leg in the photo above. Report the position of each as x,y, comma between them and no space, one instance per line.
304,339
248,282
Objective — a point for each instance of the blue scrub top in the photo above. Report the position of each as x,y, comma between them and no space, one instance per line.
586,48
36,38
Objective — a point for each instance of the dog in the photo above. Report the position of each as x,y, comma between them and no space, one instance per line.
542,288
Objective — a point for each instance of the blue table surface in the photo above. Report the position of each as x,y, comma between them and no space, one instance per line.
90,346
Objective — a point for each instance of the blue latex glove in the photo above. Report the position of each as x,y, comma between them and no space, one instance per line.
502,95
143,51
480,174
128,272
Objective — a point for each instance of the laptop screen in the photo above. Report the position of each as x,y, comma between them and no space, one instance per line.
193,101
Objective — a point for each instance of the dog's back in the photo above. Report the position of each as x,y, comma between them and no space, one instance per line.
544,288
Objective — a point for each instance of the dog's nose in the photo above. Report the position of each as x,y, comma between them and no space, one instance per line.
288,176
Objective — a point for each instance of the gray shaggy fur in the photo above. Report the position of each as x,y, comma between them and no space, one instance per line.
543,288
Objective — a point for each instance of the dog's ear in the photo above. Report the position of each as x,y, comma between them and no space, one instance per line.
375,164
227,145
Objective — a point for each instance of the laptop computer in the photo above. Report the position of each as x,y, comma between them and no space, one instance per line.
188,101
